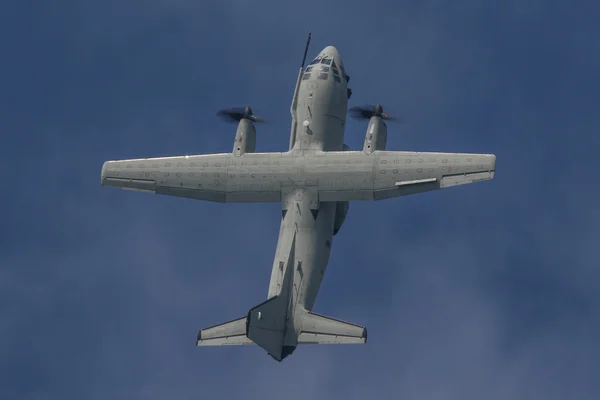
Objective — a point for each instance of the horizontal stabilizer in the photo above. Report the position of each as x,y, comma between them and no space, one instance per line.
319,329
226,334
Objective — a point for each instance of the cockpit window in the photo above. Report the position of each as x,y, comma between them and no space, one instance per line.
324,69
323,75
327,61
337,79
333,64
306,76
309,68
335,71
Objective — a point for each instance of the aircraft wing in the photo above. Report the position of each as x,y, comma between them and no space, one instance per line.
252,177
353,175
261,177
200,177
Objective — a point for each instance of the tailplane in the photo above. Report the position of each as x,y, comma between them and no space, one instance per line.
226,334
319,329
266,328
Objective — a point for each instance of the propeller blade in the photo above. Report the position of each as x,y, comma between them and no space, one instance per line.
236,114
256,118
369,111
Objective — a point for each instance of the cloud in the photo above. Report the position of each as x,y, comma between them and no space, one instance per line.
481,291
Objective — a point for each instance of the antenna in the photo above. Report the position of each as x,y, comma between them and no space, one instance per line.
295,99
306,50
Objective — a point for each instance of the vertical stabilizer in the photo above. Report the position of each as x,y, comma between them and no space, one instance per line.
266,324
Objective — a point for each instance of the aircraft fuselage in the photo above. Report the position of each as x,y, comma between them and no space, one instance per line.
321,117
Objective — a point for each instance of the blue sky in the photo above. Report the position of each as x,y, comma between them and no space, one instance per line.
484,291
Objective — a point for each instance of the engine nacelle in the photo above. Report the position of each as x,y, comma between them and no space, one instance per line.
341,210
376,137
245,138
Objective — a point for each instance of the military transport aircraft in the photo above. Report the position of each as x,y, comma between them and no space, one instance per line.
314,181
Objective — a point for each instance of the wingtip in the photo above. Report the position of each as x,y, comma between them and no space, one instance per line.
103,174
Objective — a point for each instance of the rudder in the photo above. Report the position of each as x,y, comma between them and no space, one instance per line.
266,325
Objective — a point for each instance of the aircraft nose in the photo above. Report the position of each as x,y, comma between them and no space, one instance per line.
331,51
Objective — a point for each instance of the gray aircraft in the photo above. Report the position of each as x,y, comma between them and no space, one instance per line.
314,181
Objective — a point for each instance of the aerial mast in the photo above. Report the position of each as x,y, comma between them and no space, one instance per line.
295,99
306,50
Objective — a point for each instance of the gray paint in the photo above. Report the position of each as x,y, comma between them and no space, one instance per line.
245,138
376,137
314,181
339,176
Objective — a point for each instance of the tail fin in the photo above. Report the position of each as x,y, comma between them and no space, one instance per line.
266,325
319,329
267,322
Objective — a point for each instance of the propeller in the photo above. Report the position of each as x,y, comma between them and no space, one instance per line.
366,112
236,114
